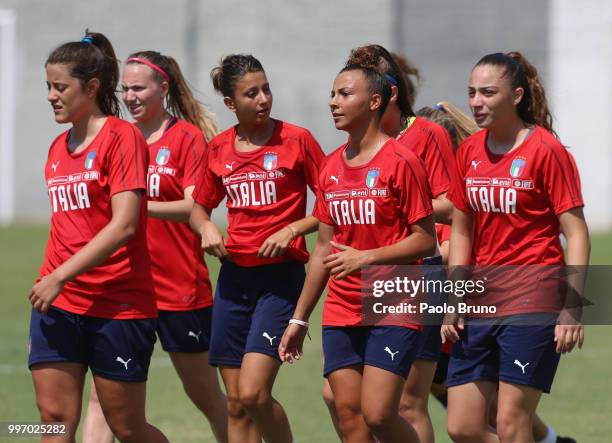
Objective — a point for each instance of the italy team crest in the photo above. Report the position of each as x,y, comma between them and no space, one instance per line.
163,155
517,167
372,178
90,159
270,161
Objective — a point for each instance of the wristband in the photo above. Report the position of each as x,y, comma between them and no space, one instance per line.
299,322
294,234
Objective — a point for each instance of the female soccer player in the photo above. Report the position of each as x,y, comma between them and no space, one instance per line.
542,200
263,166
93,304
459,127
431,143
177,146
390,222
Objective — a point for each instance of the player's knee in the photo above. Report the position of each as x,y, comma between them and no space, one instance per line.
235,410
254,397
412,408
379,418
52,410
463,432
508,422
126,429
328,396
348,416
207,399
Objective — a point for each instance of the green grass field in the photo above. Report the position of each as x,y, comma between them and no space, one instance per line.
579,406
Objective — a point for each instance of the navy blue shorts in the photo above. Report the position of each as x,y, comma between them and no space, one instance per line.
392,348
185,331
430,343
114,349
252,308
429,347
520,354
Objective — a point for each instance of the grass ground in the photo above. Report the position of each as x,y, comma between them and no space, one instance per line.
580,404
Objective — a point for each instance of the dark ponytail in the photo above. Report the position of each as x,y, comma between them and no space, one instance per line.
533,108
181,101
378,58
92,57
231,69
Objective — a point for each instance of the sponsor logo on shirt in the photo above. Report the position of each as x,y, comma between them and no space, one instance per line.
163,156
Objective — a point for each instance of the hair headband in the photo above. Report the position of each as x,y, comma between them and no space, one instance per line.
87,39
391,79
151,65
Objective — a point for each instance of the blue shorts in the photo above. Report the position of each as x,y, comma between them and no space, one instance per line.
185,331
252,308
520,354
392,348
429,343
114,349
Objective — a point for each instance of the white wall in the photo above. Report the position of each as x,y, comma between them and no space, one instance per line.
580,90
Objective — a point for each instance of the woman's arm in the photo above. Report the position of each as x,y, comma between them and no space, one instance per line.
177,210
420,243
443,209
212,239
569,330
462,236
122,226
290,347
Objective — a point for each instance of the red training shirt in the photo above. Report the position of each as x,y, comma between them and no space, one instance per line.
369,206
265,189
432,144
80,188
516,198
180,274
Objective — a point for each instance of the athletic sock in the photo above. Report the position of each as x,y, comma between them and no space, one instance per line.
551,436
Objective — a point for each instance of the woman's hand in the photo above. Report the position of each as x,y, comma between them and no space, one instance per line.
277,244
345,262
290,347
212,240
45,292
569,332
452,325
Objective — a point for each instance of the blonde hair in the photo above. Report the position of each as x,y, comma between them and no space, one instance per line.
450,117
181,101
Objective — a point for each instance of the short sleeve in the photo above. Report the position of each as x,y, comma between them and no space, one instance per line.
561,180
313,158
411,188
127,160
209,190
321,211
193,160
456,193
440,161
